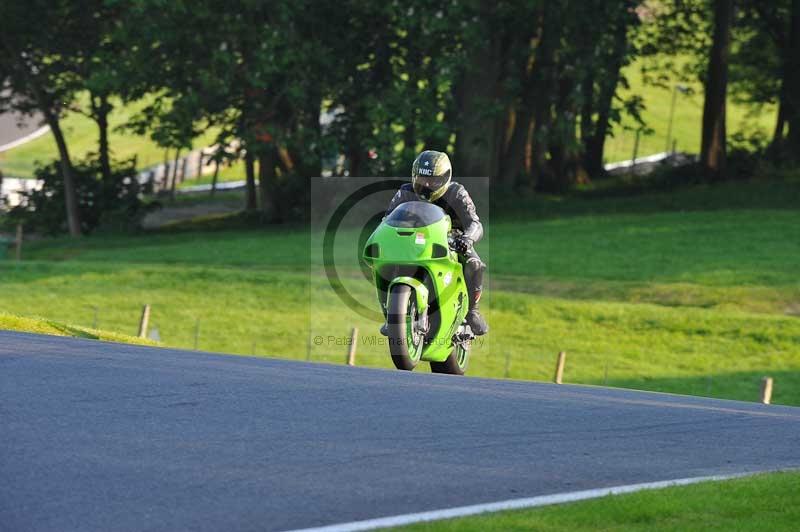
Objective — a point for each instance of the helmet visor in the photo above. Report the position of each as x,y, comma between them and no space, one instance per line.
426,185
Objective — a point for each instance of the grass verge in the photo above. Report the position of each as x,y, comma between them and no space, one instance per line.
11,322
762,502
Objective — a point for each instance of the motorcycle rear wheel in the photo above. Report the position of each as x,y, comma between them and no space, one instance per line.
405,340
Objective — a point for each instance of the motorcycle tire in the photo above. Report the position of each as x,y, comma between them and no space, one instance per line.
454,364
404,346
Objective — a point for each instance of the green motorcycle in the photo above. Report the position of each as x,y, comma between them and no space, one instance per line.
421,288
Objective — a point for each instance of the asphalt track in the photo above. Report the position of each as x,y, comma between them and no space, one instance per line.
101,436
11,130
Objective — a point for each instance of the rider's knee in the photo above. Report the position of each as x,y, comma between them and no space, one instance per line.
474,265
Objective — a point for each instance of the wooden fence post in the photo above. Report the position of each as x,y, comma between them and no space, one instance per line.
562,358
351,350
766,390
18,244
144,321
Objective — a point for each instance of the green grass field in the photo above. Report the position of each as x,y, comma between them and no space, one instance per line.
648,291
82,134
763,502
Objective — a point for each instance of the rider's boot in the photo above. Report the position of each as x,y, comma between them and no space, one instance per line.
474,319
473,275
385,329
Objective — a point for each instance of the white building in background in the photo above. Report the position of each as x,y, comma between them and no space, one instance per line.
12,187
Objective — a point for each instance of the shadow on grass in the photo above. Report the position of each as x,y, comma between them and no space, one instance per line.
742,386
642,197
72,331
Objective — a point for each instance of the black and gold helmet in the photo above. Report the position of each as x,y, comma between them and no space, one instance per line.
430,174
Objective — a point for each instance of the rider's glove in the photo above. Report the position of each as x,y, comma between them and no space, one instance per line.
462,245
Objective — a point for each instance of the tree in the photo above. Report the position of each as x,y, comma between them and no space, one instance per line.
612,50
251,69
792,81
562,85
38,42
756,59
764,67
96,64
713,150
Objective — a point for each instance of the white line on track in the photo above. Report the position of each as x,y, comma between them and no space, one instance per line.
515,504
20,141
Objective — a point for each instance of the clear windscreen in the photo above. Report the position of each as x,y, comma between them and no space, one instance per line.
414,214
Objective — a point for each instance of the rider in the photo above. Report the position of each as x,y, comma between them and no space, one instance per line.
431,181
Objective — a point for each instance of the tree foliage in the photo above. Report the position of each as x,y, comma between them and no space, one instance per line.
525,91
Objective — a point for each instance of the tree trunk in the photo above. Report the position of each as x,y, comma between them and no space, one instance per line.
174,175
47,107
713,150
544,86
776,144
184,166
70,193
477,151
512,149
311,164
780,121
587,111
354,151
410,136
596,141
165,173
251,203
266,181
100,110
514,162
214,179
792,81
410,122
565,165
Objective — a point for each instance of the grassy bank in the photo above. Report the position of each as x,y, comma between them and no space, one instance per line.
10,322
763,502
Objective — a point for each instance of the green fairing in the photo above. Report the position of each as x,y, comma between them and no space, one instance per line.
420,291
406,247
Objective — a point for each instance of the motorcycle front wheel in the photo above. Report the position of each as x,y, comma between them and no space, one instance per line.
405,338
